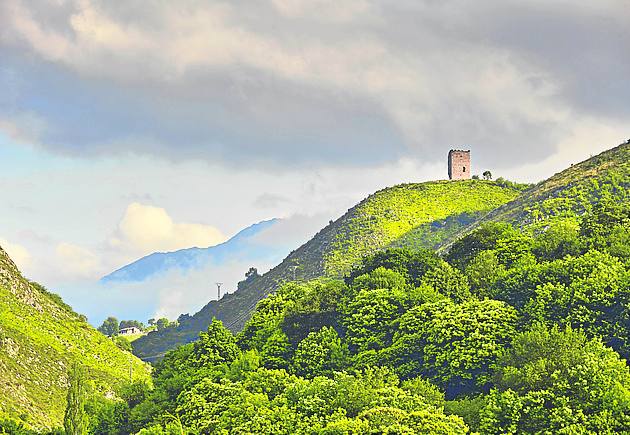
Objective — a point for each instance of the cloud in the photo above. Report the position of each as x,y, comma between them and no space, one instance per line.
270,200
146,229
18,253
76,262
293,82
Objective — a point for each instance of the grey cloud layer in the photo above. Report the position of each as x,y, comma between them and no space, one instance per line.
311,82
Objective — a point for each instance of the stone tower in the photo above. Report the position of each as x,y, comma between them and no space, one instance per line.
459,165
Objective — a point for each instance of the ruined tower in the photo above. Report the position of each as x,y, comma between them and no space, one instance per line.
459,165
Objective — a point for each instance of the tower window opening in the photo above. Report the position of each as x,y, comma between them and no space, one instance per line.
464,169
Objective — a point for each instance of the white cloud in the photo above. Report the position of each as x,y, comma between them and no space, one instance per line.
146,229
76,262
18,253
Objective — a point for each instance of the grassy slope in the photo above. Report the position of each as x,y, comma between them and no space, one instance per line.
40,337
570,192
430,211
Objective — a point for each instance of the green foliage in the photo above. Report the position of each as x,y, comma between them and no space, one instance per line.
557,381
448,281
483,271
14,427
380,278
321,353
482,239
75,420
214,347
276,352
559,239
162,324
316,304
122,343
109,327
590,292
369,317
131,323
411,264
275,402
453,345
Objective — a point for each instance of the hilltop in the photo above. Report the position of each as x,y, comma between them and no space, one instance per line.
416,215
40,337
569,193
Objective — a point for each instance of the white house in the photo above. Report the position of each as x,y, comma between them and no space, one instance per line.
129,331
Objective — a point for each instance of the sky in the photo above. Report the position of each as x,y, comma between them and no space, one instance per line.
128,127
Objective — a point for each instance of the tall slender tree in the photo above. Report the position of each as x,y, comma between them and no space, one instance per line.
75,420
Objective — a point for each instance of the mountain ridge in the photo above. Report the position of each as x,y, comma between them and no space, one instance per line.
160,262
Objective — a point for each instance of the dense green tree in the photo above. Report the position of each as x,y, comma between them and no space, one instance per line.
75,419
276,352
483,272
559,239
591,292
320,353
515,248
271,401
448,281
380,278
267,318
215,346
106,416
413,265
317,305
369,316
162,323
13,427
122,343
482,239
453,345
244,363
109,327
559,381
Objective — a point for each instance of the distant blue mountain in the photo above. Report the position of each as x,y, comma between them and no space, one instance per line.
243,246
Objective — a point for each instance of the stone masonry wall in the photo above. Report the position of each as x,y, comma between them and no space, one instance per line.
459,165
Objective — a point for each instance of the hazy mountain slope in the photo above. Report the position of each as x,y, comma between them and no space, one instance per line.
241,245
40,337
432,211
570,192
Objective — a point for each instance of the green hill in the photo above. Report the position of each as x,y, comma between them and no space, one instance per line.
418,215
40,336
520,329
569,193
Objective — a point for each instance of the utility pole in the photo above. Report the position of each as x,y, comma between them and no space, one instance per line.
219,284
130,369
